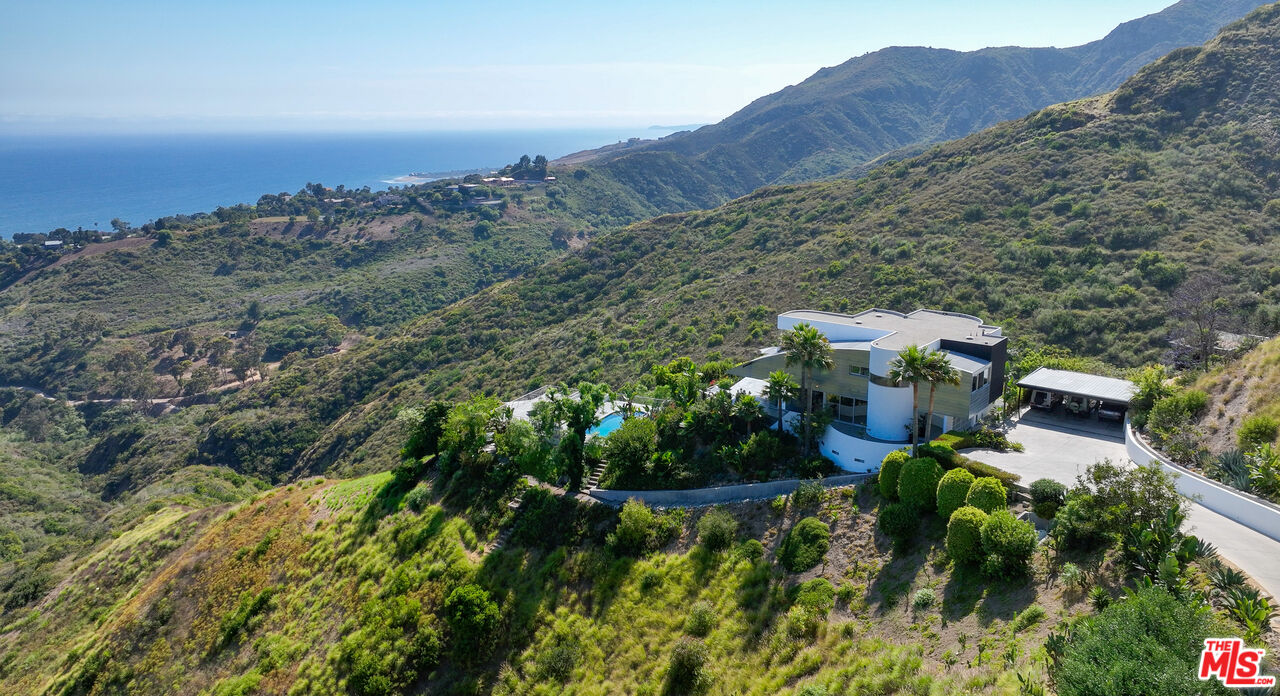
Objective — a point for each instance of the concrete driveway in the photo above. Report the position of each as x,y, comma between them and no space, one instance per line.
1061,447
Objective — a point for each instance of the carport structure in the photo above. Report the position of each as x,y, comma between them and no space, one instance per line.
1080,392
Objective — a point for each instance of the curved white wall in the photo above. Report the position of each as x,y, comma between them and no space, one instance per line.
1248,511
854,454
888,408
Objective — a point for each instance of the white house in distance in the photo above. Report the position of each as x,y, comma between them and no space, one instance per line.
872,415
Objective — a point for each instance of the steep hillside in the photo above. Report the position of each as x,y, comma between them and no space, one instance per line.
1243,389
345,588
897,98
1069,227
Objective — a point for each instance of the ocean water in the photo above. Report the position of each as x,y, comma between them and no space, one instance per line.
85,181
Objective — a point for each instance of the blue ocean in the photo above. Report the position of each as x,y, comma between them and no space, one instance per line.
85,181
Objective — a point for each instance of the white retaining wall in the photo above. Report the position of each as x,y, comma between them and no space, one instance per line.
1256,514
697,497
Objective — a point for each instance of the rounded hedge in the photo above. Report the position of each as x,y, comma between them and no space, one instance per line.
964,534
987,494
1008,544
889,470
952,490
1048,491
805,545
918,483
898,521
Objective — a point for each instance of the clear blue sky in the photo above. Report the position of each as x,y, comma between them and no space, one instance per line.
382,65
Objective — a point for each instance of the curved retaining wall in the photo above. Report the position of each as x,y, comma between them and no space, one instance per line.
1254,513
697,497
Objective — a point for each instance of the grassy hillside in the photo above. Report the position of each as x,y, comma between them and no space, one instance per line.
319,588
898,98
1243,389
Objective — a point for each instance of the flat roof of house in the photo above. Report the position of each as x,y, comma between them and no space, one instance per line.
1080,384
966,363
920,327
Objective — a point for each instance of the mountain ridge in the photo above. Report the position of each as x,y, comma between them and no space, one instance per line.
899,97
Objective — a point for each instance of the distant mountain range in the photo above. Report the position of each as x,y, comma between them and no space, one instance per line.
897,100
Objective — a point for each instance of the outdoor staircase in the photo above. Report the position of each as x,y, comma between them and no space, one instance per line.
594,479
503,536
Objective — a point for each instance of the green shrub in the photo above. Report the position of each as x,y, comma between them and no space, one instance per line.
1194,401
1077,525
751,549
941,453
473,620
952,491
987,494
899,521
964,534
640,530
702,618
1007,545
1047,490
629,450
717,529
806,545
918,483
1047,496
809,494
1147,644
778,505
1256,431
687,673
557,663
982,469
1026,618
418,498
889,470
923,599
817,595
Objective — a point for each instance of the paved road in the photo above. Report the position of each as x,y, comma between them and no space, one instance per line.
1061,448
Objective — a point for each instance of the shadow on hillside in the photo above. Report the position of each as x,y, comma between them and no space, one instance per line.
894,578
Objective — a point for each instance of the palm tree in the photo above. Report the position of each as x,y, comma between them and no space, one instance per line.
749,409
938,370
808,348
781,387
911,365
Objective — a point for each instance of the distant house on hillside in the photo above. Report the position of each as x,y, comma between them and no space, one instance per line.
53,244
872,415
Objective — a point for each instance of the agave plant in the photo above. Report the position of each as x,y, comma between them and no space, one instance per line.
1223,580
1204,551
1252,610
1232,468
1100,598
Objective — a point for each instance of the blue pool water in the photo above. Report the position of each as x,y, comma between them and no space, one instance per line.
607,425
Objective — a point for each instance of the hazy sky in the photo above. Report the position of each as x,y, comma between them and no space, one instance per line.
383,65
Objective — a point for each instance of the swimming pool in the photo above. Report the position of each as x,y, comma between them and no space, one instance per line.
607,425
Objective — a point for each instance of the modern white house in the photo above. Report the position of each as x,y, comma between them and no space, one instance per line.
872,415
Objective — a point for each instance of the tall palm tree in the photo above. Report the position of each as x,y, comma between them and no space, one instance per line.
911,365
749,409
781,387
810,349
938,370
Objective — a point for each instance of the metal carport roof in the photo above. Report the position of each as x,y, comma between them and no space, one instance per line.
1080,384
